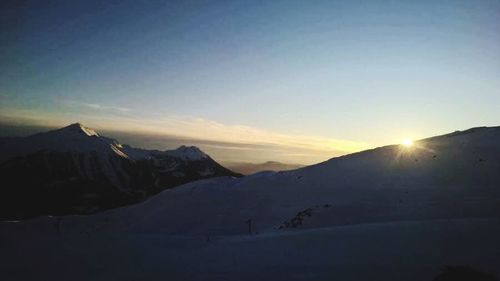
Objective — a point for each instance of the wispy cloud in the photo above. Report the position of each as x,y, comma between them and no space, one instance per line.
317,147
96,106
200,128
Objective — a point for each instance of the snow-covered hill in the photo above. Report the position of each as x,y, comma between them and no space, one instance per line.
75,170
451,176
410,251
391,213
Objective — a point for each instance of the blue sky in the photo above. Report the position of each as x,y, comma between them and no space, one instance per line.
329,76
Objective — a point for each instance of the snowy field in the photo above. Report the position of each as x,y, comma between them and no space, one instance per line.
390,213
383,251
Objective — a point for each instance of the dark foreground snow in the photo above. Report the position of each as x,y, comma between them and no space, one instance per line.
382,251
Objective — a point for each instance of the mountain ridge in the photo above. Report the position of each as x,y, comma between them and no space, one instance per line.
252,168
406,208
436,178
92,171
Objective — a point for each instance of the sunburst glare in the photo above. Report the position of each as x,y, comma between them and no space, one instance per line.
407,143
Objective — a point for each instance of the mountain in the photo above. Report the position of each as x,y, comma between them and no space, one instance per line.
178,166
451,176
390,213
74,170
252,168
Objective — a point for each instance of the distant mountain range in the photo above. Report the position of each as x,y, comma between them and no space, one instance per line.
454,176
252,168
74,170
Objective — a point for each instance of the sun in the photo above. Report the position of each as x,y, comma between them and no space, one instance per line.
407,143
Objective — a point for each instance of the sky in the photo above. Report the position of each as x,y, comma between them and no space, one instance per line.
307,80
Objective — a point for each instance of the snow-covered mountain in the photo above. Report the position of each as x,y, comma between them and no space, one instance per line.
183,152
178,166
75,170
451,176
188,153
391,213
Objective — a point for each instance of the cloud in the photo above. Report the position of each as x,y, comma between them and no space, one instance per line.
199,128
238,138
98,107
106,107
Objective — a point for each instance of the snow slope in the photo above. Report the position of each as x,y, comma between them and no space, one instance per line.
411,251
391,213
451,176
